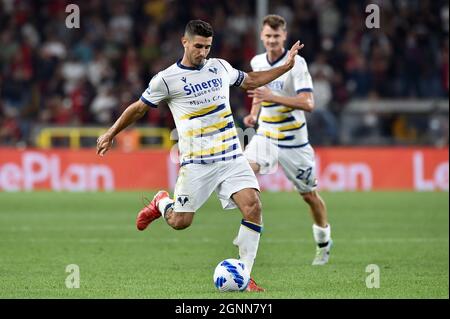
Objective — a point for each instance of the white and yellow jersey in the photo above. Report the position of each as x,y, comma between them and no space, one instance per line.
199,101
281,124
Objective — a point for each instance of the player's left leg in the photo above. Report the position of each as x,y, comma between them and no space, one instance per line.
249,234
299,167
247,200
239,187
317,207
321,227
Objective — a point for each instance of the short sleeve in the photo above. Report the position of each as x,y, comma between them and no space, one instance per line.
156,92
253,64
237,77
301,77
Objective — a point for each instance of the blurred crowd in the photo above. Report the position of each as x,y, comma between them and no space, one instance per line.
53,75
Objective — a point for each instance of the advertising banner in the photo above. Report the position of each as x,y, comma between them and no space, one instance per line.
337,169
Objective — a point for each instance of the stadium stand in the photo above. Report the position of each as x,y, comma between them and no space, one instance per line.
54,76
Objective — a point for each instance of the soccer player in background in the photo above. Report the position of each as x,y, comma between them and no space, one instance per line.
197,92
282,136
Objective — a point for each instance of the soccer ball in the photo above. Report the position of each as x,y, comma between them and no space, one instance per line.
231,275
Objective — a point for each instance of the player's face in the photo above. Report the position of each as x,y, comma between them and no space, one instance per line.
273,39
197,48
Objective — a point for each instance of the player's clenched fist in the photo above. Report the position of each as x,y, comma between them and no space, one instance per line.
250,120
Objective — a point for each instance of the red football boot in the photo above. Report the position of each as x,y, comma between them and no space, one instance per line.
150,212
253,286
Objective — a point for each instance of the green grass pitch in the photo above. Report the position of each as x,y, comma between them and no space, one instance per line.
405,233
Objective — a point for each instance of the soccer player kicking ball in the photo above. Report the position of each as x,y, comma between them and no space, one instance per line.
278,110
197,92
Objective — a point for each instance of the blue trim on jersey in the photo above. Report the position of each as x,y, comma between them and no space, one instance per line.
167,87
288,119
277,60
240,79
304,90
287,138
230,125
228,150
192,68
217,109
210,161
272,105
252,226
230,138
223,65
143,99
293,146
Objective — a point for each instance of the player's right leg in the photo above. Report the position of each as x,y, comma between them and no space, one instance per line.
162,205
262,155
151,211
194,185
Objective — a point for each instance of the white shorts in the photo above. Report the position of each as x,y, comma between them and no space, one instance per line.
196,182
298,163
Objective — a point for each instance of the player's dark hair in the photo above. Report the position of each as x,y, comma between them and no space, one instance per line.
274,21
198,27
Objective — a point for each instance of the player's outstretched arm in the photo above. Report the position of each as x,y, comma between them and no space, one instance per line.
260,78
131,114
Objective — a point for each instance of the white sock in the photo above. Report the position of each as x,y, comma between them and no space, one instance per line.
163,204
321,235
248,240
